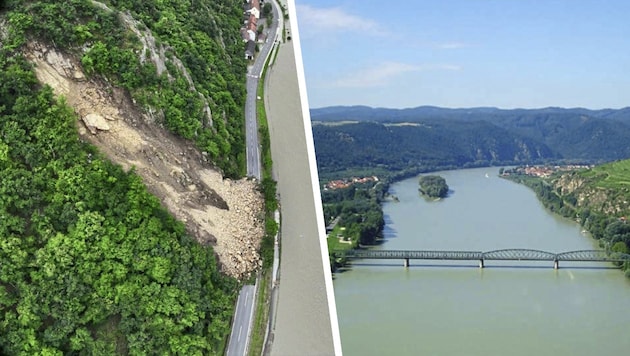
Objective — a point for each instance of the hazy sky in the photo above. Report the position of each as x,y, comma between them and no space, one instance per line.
466,53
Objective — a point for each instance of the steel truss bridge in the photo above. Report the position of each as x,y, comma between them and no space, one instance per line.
515,254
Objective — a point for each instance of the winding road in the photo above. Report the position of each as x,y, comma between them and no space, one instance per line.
253,76
243,316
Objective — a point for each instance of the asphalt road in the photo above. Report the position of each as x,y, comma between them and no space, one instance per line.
242,322
302,324
251,122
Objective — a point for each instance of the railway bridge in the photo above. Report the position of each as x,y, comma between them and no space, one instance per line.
514,254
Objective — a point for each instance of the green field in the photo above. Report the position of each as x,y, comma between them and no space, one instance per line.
614,175
333,240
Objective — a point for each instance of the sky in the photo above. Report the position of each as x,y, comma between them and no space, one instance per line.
466,53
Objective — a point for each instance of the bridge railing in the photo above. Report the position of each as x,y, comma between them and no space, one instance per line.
505,255
519,254
410,254
593,255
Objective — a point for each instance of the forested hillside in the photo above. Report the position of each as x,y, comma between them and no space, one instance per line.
339,113
599,135
90,262
422,146
189,70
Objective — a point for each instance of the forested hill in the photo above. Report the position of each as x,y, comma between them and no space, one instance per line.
437,137
430,146
180,60
91,263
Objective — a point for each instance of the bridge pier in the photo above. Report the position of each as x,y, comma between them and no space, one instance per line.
556,265
481,265
406,263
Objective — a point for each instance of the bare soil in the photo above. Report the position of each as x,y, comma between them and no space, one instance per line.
227,214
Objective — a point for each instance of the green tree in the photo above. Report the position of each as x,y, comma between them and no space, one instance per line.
433,186
266,10
620,247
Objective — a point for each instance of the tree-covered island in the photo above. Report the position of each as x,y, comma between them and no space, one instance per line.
433,186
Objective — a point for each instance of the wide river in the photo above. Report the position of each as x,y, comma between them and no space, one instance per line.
451,308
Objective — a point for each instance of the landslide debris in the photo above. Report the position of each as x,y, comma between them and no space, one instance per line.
227,214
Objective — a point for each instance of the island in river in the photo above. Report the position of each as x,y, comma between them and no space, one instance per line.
433,186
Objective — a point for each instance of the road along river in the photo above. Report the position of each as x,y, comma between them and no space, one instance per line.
455,308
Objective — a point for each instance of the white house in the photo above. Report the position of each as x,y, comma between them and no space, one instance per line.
254,11
251,35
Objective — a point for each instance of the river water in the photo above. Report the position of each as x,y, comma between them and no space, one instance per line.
455,308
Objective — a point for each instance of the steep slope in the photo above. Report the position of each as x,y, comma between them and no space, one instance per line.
90,262
102,104
603,189
221,212
110,67
597,197
427,146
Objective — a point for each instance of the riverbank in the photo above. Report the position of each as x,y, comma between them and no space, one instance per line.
532,182
565,192
527,307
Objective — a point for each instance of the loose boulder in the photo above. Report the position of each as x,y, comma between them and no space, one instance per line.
95,122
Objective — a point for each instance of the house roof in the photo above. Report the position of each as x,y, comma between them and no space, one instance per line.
251,47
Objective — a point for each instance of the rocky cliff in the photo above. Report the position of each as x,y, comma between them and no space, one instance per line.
585,190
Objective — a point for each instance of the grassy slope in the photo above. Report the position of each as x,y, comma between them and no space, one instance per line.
614,175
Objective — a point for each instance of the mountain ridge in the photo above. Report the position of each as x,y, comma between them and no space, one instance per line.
334,113
468,137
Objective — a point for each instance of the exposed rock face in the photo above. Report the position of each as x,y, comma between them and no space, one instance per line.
157,53
590,196
223,213
568,183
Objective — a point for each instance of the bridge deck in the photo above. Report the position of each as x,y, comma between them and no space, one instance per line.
496,255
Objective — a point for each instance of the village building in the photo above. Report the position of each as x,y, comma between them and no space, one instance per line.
250,50
253,12
249,32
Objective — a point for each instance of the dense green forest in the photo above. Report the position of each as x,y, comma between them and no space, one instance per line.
597,198
475,136
203,34
358,210
433,186
421,147
90,263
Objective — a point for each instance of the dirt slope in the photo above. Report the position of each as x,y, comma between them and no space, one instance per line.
224,213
